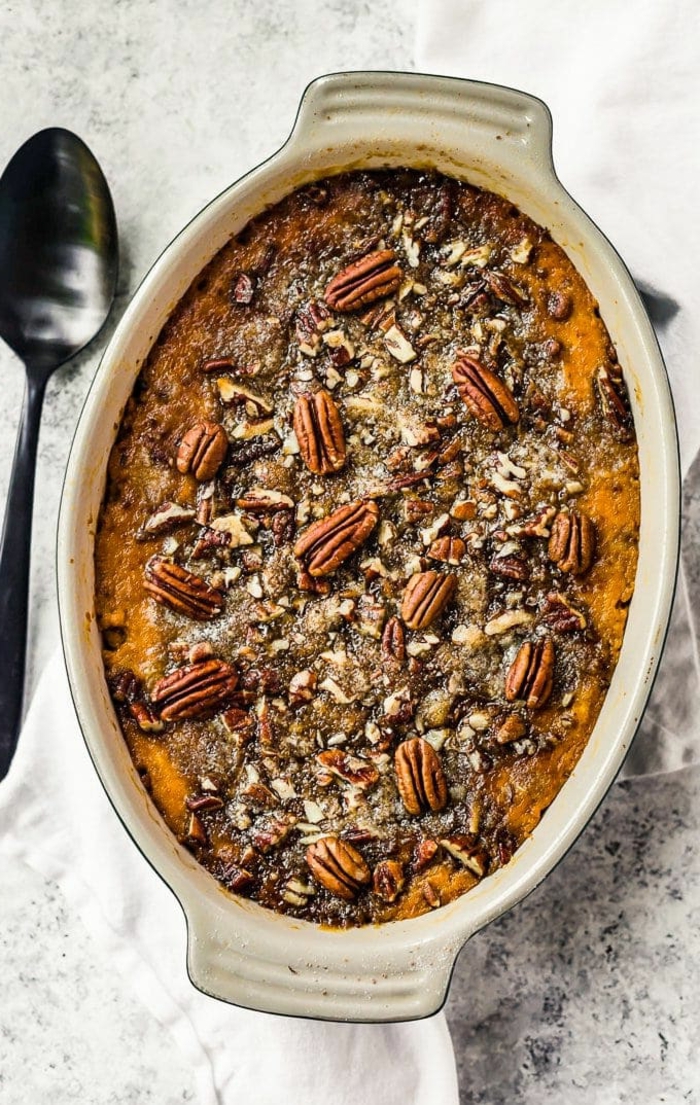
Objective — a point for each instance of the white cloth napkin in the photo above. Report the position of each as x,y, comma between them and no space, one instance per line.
55,816
623,85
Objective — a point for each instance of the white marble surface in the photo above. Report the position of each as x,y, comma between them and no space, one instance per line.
588,992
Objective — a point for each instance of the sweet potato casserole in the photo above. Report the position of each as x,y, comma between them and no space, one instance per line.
367,546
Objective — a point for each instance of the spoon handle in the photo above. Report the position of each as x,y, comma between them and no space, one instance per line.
14,573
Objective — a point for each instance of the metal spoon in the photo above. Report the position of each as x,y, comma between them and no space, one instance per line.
58,275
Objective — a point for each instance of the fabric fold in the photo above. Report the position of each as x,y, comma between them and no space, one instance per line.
55,816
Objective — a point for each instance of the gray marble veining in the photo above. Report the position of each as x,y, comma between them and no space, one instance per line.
588,991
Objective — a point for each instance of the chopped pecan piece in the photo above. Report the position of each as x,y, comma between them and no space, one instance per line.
559,305
426,596
486,396
539,524
327,543
394,641
195,833
173,586
432,895
372,277
243,289
503,288
196,691
210,541
217,364
127,690
282,527
273,833
511,728
614,399
199,803
308,322
302,686
165,518
202,450
338,867
419,776
466,849
238,879
264,500
424,853
240,722
531,674
572,542
510,567
449,550
319,432
559,614
351,769
388,879
415,510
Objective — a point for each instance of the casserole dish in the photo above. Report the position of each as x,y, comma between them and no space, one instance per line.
501,140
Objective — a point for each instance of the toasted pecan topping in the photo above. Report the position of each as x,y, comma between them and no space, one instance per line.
614,399
327,543
338,867
486,396
419,776
572,542
202,450
196,691
319,432
531,675
173,586
426,596
372,277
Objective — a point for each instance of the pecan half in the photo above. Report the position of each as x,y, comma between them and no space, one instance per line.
319,432
572,542
388,879
202,450
614,399
327,543
351,769
196,691
426,596
486,397
175,587
419,776
449,550
531,674
372,277
338,867
394,641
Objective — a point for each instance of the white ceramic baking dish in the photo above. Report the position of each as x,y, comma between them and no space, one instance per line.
500,139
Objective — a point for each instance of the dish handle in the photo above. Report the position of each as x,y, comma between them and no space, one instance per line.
429,111
347,975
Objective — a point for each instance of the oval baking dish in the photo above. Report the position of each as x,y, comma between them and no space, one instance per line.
499,139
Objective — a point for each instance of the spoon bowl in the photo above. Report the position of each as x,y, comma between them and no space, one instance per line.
58,248
58,278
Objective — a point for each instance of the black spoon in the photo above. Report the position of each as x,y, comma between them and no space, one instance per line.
58,275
